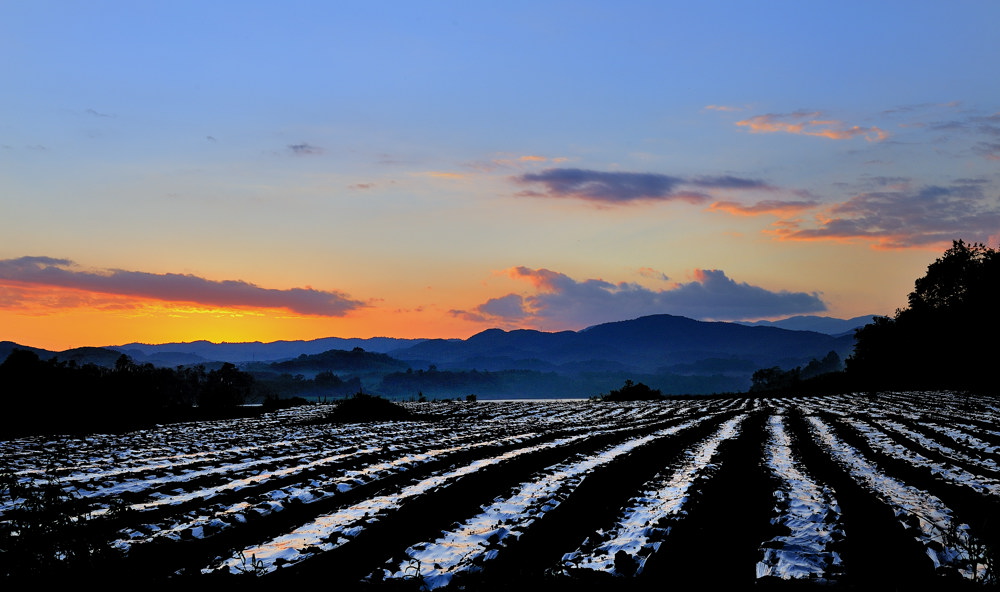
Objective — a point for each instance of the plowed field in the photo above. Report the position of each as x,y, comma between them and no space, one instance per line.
851,491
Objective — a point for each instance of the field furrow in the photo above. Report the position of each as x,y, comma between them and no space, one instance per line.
483,536
927,518
622,549
845,491
807,509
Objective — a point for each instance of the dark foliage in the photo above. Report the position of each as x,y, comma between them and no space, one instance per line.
942,339
633,392
356,360
365,407
819,374
224,388
48,531
56,396
325,385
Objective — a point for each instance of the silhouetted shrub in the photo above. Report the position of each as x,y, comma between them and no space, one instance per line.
633,392
364,407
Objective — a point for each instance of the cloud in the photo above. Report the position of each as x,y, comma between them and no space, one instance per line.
170,287
771,206
968,131
810,123
722,108
560,302
512,162
305,149
921,107
624,187
989,150
907,217
649,272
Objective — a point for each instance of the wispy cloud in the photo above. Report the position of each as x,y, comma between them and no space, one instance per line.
656,274
770,206
561,302
919,107
990,150
625,187
904,217
810,123
170,287
96,113
305,149
728,108
513,162
966,132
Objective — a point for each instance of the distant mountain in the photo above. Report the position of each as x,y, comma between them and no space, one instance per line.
647,344
828,325
341,361
81,355
202,351
671,353
8,346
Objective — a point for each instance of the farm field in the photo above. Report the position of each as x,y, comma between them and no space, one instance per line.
841,491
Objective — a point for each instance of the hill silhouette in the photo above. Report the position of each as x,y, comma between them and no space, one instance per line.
675,354
650,344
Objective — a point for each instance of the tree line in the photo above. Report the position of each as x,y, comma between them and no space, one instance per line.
945,338
58,396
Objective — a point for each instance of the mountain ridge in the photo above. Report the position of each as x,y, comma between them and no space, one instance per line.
669,352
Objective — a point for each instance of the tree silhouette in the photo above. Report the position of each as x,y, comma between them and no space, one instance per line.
226,387
632,391
943,338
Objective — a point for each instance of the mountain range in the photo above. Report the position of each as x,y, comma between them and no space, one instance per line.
827,325
675,354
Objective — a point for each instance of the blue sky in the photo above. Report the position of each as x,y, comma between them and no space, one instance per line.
452,166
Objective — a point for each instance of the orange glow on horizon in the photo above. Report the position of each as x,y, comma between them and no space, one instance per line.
60,319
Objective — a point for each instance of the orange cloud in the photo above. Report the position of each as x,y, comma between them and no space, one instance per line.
808,123
75,287
541,279
776,207
507,161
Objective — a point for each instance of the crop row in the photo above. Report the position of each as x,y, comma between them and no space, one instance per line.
836,490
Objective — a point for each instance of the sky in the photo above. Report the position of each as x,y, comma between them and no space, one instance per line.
261,171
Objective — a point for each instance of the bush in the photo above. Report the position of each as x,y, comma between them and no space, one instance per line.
633,392
47,529
364,407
